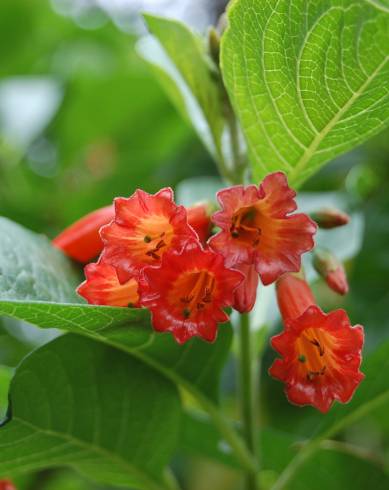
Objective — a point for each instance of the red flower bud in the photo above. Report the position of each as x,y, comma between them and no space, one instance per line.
246,293
331,270
320,352
294,296
330,218
6,485
81,241
199,219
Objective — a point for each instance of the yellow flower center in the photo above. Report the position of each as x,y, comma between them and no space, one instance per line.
193,292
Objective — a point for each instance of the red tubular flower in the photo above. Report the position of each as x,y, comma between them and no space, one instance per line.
200,221
257,228
81,241
331,269
6,485
321,353
246,293
187,292
102,287
144,228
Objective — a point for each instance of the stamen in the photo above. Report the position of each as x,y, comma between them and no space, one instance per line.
316,343
302,358
147,239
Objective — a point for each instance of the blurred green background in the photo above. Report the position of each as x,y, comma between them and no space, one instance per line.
82,120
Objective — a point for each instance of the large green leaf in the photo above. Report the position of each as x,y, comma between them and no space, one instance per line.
196,366
77,402
307,79
180,61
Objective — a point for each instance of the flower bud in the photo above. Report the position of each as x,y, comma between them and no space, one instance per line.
81,241
214,44
330,218
294,296
6,485
331,270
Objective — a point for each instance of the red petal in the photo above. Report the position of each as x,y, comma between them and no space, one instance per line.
246,293
102,287
81,240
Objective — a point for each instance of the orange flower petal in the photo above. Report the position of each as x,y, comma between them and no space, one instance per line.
321,357
188,291
102,287
257,228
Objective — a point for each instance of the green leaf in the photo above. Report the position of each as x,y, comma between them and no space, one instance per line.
31,269
130,331
79,403
180,61
5,378
308,80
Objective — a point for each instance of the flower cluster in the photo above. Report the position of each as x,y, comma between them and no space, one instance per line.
158,255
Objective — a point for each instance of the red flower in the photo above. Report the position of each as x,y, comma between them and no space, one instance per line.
321,353
102,287
81,241
246,293
200,221
6,485
144,228
187,292
257,228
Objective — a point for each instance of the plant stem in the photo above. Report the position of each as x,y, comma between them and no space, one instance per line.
248,398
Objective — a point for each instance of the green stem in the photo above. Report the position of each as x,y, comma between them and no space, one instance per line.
247,398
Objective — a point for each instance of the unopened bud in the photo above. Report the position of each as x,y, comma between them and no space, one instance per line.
331,270
6,485
330,218
214,44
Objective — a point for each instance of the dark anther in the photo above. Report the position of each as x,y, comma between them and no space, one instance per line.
147,239
318,345
186,312
234,234
302,358
200,306
160,244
